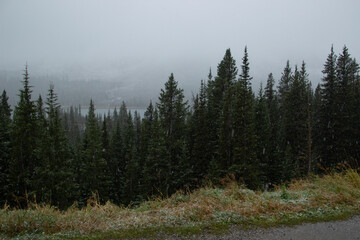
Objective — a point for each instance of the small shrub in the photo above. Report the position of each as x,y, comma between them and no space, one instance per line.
285,194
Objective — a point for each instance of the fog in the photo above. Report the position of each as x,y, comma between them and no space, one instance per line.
138,43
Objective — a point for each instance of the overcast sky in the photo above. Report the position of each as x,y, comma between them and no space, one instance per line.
145,40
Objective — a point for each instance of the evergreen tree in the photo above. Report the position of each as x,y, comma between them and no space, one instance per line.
245,163
74,130
316,119
130,161
156,168
41,173
5,147
355,153
328,116
105,140
116,166
295,124
58,160
263,131
220,96
172,113
285,82
146,127
94,177
24,144
285,149
145,138
346,72
123,116
273,172
199,149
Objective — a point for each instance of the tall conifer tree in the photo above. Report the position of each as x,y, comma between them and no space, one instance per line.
245,163
5,147
24,144
172,113
94,176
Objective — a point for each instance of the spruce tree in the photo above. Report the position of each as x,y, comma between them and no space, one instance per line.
132,179
105,141
200,150
157,166
245,164
59,160
123,115
172,113
285,82
220,96
328,116
296,124
145,138
5,148
24,143
116,166
274,170
41,183
94,176
263,133
316,120
346,72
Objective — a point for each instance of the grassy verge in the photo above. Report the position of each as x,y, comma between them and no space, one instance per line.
331,197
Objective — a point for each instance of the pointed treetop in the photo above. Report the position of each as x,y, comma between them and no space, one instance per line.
227,69
245,73
210,75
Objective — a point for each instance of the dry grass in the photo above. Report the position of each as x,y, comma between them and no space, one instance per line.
305,199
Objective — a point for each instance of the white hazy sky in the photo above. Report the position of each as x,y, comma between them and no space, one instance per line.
145,40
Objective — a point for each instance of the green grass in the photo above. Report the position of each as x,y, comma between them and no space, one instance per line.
207,210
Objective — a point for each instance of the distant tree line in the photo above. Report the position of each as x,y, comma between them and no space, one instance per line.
284,132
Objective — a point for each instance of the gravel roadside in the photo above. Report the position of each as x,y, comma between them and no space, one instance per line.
336,230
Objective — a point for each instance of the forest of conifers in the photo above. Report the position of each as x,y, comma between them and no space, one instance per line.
282,132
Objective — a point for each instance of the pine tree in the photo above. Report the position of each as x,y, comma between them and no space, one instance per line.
200,149
5,147
145,138
24,144
285,115
116,166
123,116
346,72
146,127
295,124
156,168
316,119
172,113
285,82
274,167
328,119
59,160
245,164
263,133
94,176
220,95
105,141
355,154
74,135
130,161
309,125
41,183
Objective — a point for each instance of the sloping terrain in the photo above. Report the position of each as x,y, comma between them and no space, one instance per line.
207,210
